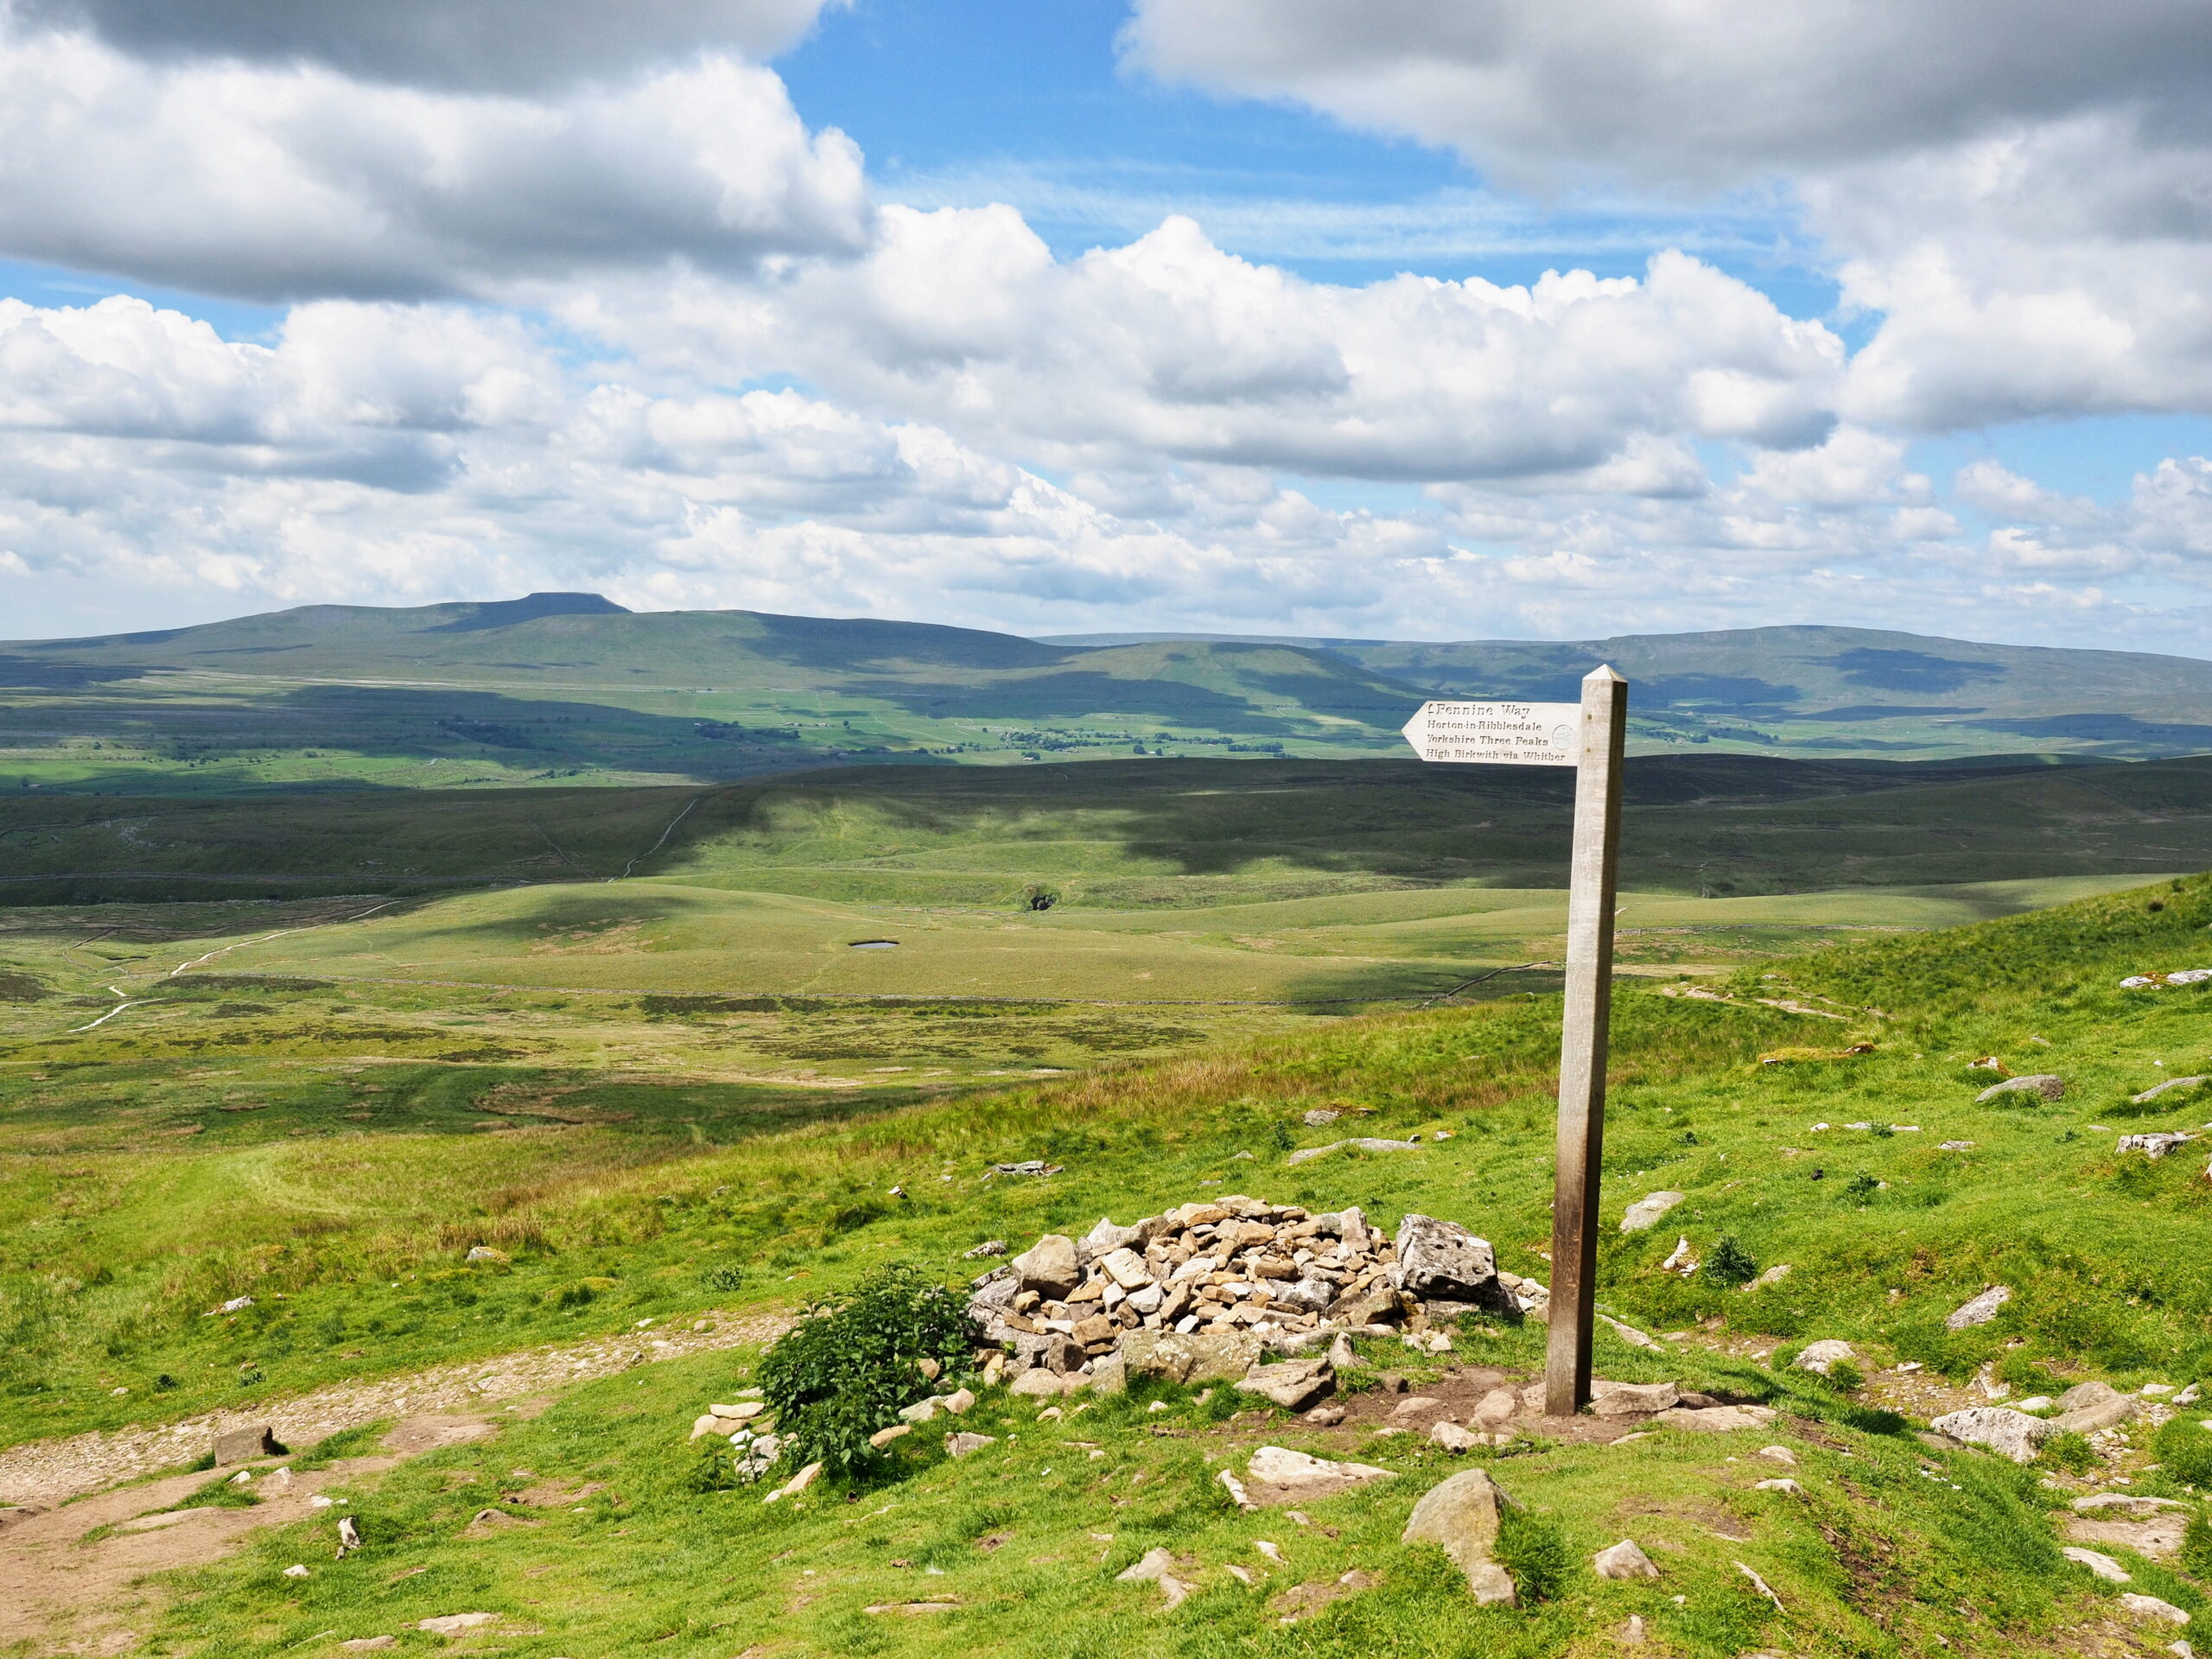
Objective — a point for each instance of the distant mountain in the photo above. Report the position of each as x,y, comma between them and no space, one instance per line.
563,687
1828,690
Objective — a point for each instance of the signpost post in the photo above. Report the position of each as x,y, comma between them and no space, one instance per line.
1587,737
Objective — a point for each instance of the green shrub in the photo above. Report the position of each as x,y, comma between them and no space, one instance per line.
1845,1378
2070,1452
846,1369
1532,1550
725,1276
1731,1263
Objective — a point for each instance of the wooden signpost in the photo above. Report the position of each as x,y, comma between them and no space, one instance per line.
1587,737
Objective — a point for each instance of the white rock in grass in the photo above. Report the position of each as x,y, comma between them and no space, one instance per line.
1647,1210
455,1623
1462,1515
1819,1356
1981,1310
1625,1560
1452,1438
2103,1566
1158,1567
797,1484
2151,1607
2009,1434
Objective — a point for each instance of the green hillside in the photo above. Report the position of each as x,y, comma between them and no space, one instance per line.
1818,1114
1808,691
568,688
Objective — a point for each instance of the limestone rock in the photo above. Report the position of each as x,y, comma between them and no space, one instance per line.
1341,1354
1496,1407
1715,1420
1197,1357
959,1401
1048,1267
2130,1505
2089,1406
1461,1516
1779,1483
2043,1083
2157,1145
2157,1089
1365,1143
1633,1398
1040,1383
1819,1356
1105,1238
1377,1304
1294,1384
244,1445
455,1623
1126,1269
2103,1566
883,1437
2010,1433
1277,1475
1157,1567
1109,1375
1452,1438
2151,1607
1981,1310
1441,1258
797,1484
1646,1212
2158,1539
960,1445
486,1253
1625,1560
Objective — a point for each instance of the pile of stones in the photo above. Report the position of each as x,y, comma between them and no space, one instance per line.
1274,1275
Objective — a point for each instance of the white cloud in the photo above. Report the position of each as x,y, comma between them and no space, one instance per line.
496,45
1708,94
266,182
1170,350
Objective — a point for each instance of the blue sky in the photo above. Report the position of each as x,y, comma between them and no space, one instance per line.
1840,336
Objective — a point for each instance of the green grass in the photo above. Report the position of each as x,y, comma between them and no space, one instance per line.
349,1233
1134,835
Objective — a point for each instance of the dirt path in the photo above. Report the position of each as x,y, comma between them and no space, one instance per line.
43,1473
70,1592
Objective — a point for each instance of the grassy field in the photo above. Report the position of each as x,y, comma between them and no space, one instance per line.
1137,835
349,1231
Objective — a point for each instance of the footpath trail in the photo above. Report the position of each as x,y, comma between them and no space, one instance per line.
41,1473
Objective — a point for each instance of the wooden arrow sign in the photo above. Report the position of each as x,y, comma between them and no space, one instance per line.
1587,736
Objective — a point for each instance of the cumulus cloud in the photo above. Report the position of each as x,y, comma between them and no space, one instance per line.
1701,94
2014,190
1169,349
269,182
384,453
476,45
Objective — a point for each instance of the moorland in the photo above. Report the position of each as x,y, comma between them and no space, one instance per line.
583,1087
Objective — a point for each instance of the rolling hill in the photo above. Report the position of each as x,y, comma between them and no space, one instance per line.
1822,689
570,687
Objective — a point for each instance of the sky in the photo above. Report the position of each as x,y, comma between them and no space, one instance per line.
1407,319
